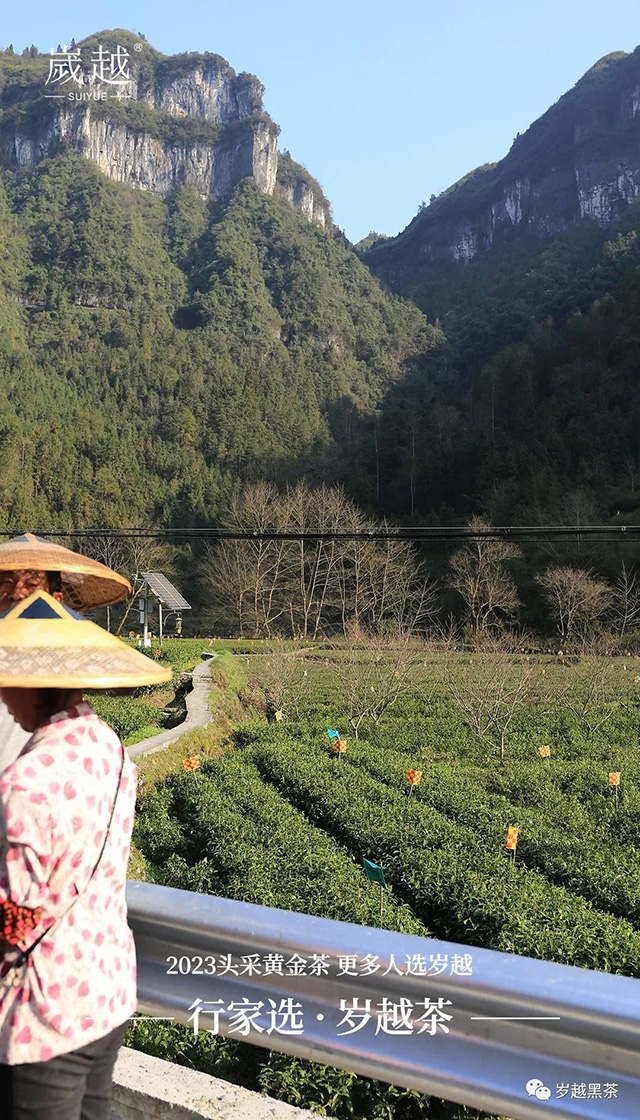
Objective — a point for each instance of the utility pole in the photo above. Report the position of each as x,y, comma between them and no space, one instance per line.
145,617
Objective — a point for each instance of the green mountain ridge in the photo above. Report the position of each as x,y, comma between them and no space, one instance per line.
155,353
534,419
152,121
578,160
158,350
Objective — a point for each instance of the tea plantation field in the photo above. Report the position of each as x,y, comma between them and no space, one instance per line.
279,820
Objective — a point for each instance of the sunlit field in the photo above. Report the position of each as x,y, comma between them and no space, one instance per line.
275,816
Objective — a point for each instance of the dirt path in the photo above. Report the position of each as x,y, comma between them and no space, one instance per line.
198,712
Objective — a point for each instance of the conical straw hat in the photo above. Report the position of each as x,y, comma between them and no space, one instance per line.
44,644
86,583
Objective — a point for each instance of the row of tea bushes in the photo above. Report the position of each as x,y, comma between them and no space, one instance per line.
567,843
223,830
460,886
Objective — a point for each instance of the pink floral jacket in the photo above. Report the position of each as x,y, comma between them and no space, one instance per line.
55,801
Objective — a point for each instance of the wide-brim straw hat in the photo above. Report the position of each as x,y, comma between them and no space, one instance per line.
44,644
86,583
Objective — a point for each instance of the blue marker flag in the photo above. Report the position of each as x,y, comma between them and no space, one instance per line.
333,734
374,872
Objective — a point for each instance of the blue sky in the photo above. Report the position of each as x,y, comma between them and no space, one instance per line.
385,104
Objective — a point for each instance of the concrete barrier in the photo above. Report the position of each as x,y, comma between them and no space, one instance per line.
146,1088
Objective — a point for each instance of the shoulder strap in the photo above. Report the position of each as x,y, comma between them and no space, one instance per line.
27,953
106,835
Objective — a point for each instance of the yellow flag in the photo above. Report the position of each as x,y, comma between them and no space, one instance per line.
512,838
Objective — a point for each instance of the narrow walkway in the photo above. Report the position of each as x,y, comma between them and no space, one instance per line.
198,713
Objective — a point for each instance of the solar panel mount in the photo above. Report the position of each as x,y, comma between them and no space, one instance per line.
163,590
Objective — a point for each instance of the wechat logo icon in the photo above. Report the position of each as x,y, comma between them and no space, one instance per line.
536,1088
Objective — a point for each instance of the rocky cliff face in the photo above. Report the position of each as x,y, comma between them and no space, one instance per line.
581,160
301,195
186,120
298,187
208,91
136,157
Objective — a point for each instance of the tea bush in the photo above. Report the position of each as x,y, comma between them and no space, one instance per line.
125,714
280,821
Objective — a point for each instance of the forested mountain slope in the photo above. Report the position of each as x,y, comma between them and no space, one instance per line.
155,352
540,420
160,346
531,267
579,161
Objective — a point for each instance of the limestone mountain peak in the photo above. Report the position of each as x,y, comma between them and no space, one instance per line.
152,121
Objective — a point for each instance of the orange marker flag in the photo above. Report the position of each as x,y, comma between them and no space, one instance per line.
414,777
278,715
544,752
614,778
340,747
191,763
512,838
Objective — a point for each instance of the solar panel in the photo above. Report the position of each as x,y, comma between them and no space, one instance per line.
163,589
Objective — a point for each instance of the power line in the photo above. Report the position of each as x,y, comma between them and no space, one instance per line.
610,534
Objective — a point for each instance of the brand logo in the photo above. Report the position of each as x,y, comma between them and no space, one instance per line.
109,68
536,1088
579,1090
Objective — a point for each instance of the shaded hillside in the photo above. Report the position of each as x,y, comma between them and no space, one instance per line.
495,299
530,266
542,429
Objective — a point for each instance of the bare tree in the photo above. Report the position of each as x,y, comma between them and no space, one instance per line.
383,585
503,681
263,508
576,599
480,576
588,693
248,577
130,556
356,593
315,590
370,582
282,679
143,555
113,552
403,597
625,612
226,582
313,585
378,671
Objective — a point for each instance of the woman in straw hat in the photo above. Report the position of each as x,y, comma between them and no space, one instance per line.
67,979
29,563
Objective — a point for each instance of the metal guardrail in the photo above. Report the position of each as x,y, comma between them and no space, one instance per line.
526,1038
